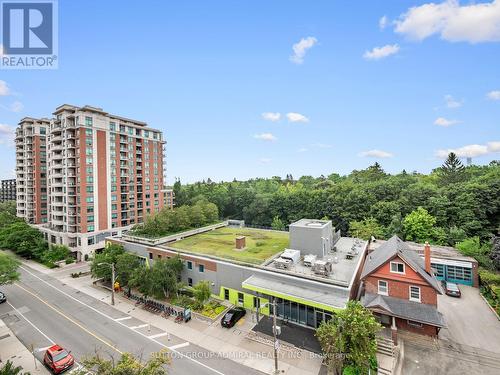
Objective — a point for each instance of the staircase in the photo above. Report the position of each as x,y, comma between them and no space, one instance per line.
385,355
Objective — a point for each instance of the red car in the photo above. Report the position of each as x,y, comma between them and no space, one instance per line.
58,359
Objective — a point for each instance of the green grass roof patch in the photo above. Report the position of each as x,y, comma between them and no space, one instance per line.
260,244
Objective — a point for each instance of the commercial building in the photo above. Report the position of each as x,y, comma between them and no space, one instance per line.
250,267
92,174
401,289
8,190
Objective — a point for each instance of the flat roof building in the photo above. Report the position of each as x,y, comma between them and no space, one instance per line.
8,190
307,291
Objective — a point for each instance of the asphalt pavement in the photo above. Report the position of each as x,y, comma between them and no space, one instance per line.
42,310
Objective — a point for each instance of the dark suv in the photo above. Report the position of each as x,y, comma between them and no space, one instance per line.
232,316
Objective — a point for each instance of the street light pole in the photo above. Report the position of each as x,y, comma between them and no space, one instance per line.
112,284
112,265
276,371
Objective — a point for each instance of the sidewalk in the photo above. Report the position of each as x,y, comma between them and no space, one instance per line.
12,349
239,344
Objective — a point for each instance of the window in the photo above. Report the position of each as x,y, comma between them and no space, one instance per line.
88,131
201,268
90,210
190,281
241,298
189,265
90,228
226,294
414,324
397,267
256,302
91,240
88,121
90,219
383,287
414,293
150,255
112,126
90,199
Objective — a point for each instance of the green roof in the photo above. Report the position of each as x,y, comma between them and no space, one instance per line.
260,244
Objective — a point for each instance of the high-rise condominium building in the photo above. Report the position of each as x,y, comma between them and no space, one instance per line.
104,174
8,190
31,170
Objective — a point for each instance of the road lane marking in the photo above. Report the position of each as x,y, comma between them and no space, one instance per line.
178,346
34,326
158,335
122,324
70,319
124,318
138,327
42,349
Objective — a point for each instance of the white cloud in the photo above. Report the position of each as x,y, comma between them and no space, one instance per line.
441,121
380,52
296,117
7,134
471,23
302,149
382,22
265,137
493,95
451,102
300,49
16,106
271,116
265,160
376,154
471,151
4,89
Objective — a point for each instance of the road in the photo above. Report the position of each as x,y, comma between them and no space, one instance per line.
41,311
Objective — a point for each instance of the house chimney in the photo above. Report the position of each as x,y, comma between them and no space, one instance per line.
240,242
427,258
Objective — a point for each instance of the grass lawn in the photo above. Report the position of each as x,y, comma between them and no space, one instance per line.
260,244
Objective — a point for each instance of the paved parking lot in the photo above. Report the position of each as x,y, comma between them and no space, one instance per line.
469,320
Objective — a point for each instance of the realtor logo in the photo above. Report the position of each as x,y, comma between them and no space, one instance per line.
29,34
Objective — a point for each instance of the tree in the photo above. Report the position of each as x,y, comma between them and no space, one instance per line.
10,369
366,229
419,225
495,252
23,239
8,269
349,337
126,264
202,292
452,170
54,254
127,364
108,255
472,247
160,280
277,224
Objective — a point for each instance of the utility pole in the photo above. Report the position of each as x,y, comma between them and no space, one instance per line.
112,284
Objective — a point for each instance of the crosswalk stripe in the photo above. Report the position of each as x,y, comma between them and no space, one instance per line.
124,318
141,326
158,335
183,345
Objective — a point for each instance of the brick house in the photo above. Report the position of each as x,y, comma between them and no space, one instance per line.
401,290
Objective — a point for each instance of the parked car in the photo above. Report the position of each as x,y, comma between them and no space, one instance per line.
232,316
451,289
58,359
3,297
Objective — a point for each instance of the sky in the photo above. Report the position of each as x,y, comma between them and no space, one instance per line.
245,89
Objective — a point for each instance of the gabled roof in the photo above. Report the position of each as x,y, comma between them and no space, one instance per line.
395,246
401,308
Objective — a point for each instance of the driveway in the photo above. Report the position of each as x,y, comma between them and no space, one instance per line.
469,320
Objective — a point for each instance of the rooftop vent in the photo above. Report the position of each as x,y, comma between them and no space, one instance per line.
240,242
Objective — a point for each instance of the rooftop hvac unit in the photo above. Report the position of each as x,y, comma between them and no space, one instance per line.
282,264
291,255
322,267
309,260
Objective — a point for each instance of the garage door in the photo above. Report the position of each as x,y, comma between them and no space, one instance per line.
460,274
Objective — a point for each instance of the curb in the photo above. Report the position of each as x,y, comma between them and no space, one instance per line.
491,307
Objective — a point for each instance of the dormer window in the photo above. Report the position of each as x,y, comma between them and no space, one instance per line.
397,267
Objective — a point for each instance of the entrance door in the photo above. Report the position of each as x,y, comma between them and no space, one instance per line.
319,318
226,294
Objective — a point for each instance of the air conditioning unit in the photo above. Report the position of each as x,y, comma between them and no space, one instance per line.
283,264
309,260
322,267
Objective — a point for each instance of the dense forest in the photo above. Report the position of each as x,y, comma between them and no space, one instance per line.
452,203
